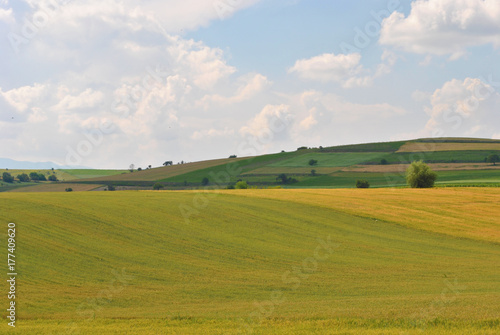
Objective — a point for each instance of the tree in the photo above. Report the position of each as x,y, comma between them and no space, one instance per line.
167,163
34,176
42,177
111,188
282,178
52,177
157,186
232,156
494,158
7,177
360,183
420,175
313,162
313,172
205,181
139,169
241,185
24,178
69,189
383,161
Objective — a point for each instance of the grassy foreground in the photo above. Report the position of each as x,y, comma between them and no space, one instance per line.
379,261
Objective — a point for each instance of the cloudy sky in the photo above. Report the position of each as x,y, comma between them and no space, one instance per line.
107,83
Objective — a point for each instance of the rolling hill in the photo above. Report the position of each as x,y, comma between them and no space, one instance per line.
381,261
458,161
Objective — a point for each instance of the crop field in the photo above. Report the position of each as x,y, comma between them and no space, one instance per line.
330,159
379,261
60,174
56,187
92,173
423,147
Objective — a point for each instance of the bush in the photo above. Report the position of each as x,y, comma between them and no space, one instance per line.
313,172
52,178
7,177
384,161
360,183
232,156
241,185
42,177
24,178
111,188
157,186
420,175
230,187
302,148
69,189
205,181
313,162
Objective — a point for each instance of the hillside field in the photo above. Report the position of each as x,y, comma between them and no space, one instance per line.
321,261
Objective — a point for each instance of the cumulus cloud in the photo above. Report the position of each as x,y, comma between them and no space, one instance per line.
443,27
344,69
463,108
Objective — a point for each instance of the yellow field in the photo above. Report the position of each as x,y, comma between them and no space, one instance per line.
56,187
425,147
460,212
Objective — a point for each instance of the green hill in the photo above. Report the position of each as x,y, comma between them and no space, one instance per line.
458,161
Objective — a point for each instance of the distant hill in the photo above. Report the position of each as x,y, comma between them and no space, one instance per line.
7,163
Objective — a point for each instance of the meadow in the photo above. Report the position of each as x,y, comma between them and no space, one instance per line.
379,261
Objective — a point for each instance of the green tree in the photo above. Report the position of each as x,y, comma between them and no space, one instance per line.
205,181
111,188
42,177
7,177
383,161
360,183
420,175
494,158
53,178
313,162
34,176
23,178
313,172
241,185
157,186
69,189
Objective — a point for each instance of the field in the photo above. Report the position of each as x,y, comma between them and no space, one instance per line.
423,147
381,261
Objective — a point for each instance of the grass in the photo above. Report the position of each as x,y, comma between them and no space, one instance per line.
449,146
329,159
60,174
56,187
394,256
92,173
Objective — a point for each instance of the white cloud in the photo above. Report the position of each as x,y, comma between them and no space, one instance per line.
443,27
272,121
6,15
345,69
463,108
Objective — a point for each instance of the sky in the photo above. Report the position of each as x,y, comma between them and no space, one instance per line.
109,83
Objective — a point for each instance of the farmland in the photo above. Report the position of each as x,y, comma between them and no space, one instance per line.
459,162
375,261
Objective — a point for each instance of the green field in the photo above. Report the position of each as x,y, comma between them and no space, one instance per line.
257,261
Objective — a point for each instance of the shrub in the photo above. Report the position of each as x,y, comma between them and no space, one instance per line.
313,162
157,186
360,183
230,187
111,188
69,189
52,178
302,148
23,178
420,175
313,172
7,177
241,185
42,177
232,156
383,161
205,181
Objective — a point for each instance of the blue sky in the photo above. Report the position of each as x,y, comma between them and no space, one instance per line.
109,83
